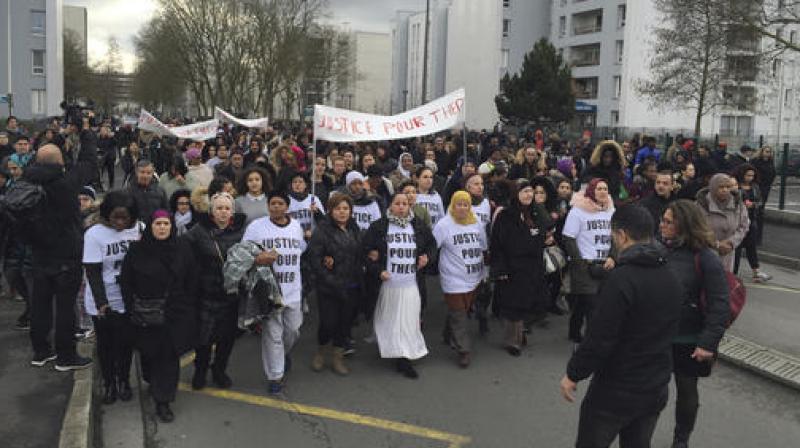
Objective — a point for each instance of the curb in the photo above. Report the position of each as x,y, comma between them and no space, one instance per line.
780,260
782,217
761,360
77,428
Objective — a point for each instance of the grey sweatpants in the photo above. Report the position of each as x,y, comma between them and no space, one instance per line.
280,332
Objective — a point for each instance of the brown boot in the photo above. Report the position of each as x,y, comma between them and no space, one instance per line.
337,364
318,363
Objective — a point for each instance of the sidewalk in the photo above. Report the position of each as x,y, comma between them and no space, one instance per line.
782,241
33,399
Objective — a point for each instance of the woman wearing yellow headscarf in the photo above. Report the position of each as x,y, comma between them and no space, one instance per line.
462,240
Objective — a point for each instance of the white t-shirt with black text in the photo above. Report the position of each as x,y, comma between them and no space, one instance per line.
592,232
288,241
401,255
461,254
483,212
364,215
103,244
433,203
300,211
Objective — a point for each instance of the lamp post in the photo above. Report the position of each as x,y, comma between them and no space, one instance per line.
405,100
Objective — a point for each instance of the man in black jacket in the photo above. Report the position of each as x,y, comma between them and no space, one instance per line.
657,202
628,347
149,196
57,247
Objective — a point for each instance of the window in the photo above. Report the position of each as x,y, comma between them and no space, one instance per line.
621,10
792,36
563,2
620,51
617,86
37,22
585,55
585,88
736,125
506,3
587,22
504,58
562,26
776,67
38,102
38,62
506,27
614,117
787,98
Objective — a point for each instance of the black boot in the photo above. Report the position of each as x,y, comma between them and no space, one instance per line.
404,367
164,413
220,378
199,379
110,393
124,390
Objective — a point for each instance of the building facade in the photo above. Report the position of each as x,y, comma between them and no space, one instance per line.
31,63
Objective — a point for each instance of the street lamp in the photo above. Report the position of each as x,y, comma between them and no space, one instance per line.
405,100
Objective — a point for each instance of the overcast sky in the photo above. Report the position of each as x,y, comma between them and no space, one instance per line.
123,18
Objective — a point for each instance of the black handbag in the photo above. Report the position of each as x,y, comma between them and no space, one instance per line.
149,312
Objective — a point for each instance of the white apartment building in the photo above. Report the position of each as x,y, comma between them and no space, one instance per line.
31,62
609,44
471,44
373,72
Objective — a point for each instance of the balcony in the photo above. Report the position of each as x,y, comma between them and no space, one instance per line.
585,88
585,55
587,22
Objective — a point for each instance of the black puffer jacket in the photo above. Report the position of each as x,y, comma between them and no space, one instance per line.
59,238
628,345
210,247
344,246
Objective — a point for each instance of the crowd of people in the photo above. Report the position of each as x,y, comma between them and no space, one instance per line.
206,240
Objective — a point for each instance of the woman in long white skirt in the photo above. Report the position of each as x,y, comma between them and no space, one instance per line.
398,246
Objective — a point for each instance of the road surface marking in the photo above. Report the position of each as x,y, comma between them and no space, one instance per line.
453,440
773,288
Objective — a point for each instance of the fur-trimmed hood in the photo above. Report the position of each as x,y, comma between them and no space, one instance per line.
597,154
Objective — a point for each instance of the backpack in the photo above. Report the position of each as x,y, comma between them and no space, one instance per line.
737,296
22,209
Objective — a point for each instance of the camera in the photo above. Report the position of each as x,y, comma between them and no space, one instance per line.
74,112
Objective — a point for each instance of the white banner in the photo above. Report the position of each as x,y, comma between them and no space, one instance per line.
147,122
342,125
204,130
223,116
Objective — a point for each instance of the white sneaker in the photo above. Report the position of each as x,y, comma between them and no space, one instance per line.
762,276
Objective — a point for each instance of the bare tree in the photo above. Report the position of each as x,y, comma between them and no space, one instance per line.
701,60
76,69
768,18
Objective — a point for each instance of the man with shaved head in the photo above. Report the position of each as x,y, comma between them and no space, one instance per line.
56,239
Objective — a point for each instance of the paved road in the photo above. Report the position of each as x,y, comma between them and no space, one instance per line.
32,400
499,401
772,313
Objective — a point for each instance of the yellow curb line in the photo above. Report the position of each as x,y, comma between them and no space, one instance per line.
453,440
772,288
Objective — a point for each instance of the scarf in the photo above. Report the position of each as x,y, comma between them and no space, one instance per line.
459,196
183,220
398,221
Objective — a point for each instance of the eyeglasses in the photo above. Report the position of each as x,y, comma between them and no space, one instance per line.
183,203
